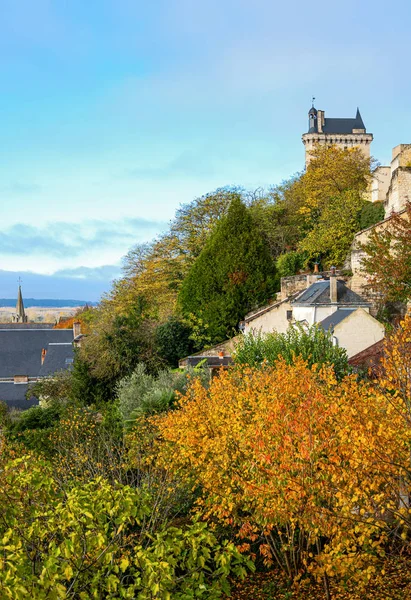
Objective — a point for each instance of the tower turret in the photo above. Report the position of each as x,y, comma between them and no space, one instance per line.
312,119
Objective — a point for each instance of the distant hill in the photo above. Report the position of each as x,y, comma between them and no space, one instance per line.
44,303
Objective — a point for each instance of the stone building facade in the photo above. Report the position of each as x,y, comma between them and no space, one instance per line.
344,133
391,185
399,189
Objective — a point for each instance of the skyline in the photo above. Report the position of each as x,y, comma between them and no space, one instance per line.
112,114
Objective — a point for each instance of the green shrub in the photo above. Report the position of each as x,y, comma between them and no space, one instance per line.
313,344
33,426
291,263
143,394
92,540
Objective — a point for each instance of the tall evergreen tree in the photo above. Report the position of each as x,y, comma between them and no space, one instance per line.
233,273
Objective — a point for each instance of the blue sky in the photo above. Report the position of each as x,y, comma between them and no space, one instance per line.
114,112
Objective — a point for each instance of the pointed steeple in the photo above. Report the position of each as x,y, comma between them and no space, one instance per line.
359,121
20,316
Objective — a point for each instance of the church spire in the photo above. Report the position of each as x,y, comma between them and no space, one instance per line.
20,316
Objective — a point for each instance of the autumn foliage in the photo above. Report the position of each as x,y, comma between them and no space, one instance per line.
304,465
387,258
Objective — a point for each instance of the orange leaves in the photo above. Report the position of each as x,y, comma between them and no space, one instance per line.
290,454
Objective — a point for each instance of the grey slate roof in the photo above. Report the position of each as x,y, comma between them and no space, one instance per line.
14,394
20,349
343,125
333,320
57,358
319,294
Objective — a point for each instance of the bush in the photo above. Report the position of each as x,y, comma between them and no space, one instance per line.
313,345
143,394
93,536
32,427
291,263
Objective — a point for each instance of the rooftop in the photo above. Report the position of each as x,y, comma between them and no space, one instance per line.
319,294
343,126
20,349
332,320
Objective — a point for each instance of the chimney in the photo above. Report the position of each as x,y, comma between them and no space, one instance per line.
76,329
333,286
43,355
313,277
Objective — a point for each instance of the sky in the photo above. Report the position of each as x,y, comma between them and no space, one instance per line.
115,112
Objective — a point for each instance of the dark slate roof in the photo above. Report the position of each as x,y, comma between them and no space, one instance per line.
26,325
57,358
20,350
333,320
14,394
343,125
319,293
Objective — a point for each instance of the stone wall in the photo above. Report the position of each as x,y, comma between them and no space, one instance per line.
357,140
358,280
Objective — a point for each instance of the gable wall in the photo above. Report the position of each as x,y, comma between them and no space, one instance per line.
272,320
358,332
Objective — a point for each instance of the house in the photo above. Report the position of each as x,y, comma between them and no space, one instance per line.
29,352
354,329
327,302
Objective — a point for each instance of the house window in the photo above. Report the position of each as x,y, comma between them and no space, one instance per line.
289,315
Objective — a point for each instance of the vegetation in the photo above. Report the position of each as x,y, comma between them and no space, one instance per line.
134,480
387,261
312,344
233,273
302,467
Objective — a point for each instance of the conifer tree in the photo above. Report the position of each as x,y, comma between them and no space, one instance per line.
234,273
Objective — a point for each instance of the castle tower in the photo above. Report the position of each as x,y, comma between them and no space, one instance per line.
344,133
20,316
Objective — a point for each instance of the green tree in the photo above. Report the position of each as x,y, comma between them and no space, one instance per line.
371,213
173,340
290,263
233,273
331,237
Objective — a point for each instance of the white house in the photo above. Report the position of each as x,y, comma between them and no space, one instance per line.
328,303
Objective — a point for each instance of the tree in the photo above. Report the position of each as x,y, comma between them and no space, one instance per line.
387,259
233,273
331,172
331,236
304,465
173,340
371,213
291,263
